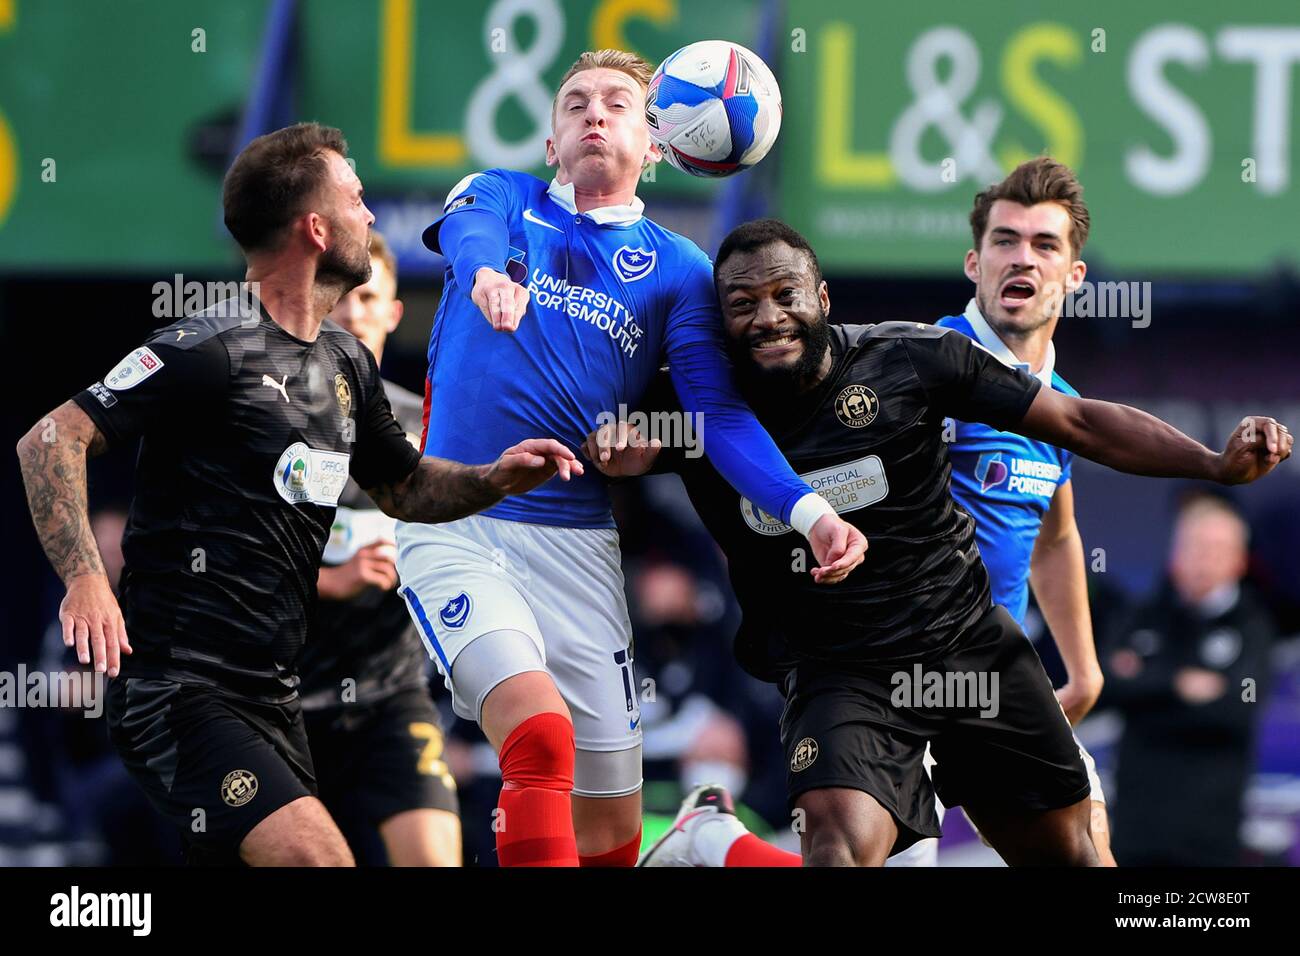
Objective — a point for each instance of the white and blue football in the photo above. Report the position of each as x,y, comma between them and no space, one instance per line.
713,108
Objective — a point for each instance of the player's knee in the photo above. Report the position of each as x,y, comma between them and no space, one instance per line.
606,825
1073,846
828,842
1081,851
841,831
839,848
301,833
827,850
539,753
422,838
328,852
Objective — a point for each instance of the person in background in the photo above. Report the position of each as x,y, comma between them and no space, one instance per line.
1188,673
376,739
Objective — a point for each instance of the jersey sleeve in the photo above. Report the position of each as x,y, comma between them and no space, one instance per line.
473,231
383,454
156,385
1067,459
693,314
734,441
967,382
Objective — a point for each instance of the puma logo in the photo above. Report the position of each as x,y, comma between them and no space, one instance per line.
278,386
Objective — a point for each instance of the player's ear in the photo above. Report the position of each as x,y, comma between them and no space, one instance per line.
1078,270
552,157
653,155
972,265
824,294
395,315
318,230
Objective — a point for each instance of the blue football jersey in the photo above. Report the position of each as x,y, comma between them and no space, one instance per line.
1004,480
612,296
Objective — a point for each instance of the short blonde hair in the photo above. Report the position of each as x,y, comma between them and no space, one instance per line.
621,60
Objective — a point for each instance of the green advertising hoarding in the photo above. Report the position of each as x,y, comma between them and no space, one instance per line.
105,107
445,90
1179,118
103,111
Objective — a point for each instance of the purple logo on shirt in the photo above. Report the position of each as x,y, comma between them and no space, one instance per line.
990,470
515,268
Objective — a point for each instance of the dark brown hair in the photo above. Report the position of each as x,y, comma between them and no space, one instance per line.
1038,180
272,180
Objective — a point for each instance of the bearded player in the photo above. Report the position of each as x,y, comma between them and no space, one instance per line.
562,301
859,410
251,417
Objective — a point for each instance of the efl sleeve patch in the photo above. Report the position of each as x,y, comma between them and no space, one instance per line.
457,190
105,397
133,369
462,201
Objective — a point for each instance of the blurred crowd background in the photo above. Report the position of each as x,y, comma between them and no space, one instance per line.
117,121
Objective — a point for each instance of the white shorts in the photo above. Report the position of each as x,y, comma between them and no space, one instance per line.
922,852
1094,779
562,587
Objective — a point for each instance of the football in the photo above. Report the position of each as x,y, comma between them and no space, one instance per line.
713,108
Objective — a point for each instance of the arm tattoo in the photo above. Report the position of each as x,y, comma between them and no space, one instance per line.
438,490
52,457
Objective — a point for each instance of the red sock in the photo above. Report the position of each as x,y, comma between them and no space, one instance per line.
535,820
749,850
624,855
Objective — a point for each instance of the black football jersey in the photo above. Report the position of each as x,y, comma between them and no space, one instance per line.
368,641
870,439
248,436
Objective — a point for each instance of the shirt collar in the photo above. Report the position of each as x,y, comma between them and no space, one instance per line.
986,337
562,196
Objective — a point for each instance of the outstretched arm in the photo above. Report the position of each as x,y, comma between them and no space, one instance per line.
1057,573
1129,440
52,457
441,490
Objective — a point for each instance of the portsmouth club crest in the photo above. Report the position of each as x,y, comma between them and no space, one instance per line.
856,406
632,264
455,612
